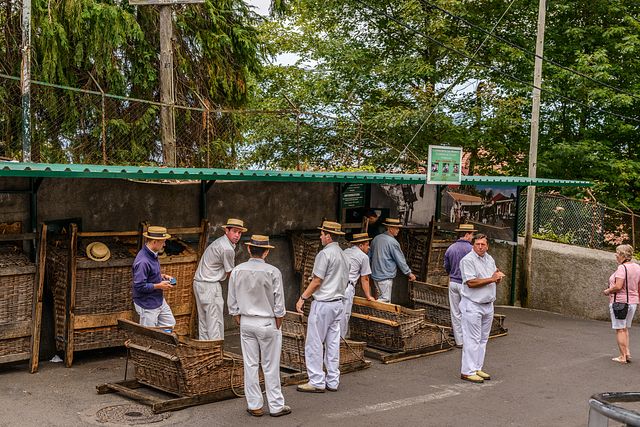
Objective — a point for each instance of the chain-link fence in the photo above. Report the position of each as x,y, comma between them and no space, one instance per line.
70,125
579,222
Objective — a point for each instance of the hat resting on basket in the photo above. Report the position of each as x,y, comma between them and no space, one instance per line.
98,251
156,233
331,227
235,223
392,222
259,241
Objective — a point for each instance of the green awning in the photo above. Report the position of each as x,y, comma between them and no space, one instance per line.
45,170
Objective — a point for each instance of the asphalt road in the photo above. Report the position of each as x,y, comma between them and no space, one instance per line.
544,372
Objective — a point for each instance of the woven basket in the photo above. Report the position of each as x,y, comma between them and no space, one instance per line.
17,281
434,300
180,365
294,330
394,328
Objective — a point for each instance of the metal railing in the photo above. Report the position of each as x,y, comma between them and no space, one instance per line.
602,409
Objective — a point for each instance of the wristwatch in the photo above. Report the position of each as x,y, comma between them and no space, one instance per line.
303,298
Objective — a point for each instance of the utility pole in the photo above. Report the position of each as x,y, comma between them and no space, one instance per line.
25,80
167,95
533,147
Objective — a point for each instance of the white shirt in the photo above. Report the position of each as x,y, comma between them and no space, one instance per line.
473,266
358,263
217,260
332,267
255,289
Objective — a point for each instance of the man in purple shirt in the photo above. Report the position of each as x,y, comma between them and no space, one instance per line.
149,283
452,258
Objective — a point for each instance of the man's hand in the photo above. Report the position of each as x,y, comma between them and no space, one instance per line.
164,285
165,276
237,319
278,322
300,305
412,277
497,276
370,298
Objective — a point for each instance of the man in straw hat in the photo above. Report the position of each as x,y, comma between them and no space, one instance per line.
330,277
479,277
215,266
386,257
256,300
452,258
359,268
149,283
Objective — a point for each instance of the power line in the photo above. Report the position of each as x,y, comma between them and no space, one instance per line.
455,82
496,70
524,50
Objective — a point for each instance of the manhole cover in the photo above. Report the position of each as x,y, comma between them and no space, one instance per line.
130,415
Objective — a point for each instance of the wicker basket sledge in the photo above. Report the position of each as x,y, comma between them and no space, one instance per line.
179,365
294,330
90,296
395,328
21,287
434,300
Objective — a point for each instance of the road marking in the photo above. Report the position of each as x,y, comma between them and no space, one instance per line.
446,390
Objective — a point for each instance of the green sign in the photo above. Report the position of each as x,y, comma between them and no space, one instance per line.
445,165
353,196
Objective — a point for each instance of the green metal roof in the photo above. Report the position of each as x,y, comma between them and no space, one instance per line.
45,170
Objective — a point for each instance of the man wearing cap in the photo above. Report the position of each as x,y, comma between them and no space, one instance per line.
149,283
479,277
452,258
330,277
386,257
359,268
215,266
256,300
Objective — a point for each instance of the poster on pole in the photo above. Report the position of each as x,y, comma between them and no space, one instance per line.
445,165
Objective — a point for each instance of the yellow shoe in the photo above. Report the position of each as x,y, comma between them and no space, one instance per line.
483,375
473,378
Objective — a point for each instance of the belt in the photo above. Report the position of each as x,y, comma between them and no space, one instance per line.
330,300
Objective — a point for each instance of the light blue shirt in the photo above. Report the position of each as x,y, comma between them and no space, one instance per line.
386,258
473,266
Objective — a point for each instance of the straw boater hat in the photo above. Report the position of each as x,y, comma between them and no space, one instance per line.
235,223
156,233
466,227
98,251
360,238
392,222
331,227
259,241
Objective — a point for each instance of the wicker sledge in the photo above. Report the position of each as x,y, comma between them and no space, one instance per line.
434,299
179,365
294,331
395,328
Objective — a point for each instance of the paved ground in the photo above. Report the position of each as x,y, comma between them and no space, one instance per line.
543,374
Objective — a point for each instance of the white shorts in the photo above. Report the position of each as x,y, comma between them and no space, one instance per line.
622,323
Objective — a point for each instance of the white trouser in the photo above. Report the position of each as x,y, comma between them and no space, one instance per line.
260,339
476,326
210,310
347,302
160,317
323,327
455,293
384,289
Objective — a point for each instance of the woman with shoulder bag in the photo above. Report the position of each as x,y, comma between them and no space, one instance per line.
623,294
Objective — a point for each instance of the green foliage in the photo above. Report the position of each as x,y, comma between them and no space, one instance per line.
111,46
